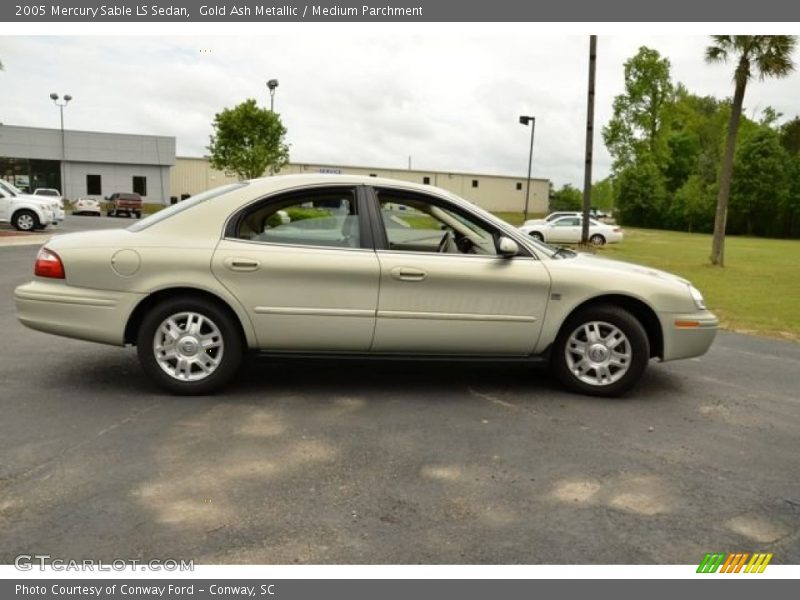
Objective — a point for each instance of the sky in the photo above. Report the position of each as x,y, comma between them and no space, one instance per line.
448,98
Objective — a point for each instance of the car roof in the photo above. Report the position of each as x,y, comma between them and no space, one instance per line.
274,183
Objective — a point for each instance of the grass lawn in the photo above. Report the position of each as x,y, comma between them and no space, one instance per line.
756,292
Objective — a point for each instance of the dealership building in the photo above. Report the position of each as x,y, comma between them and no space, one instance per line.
89,163
99,164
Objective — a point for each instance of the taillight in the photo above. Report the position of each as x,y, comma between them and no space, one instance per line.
48,264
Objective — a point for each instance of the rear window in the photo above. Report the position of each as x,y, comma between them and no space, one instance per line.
174,209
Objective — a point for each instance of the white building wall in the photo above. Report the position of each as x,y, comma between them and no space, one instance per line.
118,178
497,193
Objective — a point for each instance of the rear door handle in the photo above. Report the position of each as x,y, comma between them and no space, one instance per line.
242,264
408,274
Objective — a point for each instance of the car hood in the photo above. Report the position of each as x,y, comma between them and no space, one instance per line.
38,199
618,266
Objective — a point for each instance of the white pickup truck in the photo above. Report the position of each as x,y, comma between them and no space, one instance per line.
26,212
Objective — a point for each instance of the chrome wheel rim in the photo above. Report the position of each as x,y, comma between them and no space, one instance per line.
188,346
597,240
25,222
598,353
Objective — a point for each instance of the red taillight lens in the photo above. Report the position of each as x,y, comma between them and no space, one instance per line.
48,264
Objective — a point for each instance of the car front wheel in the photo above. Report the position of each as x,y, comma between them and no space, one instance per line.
26,220
601,351
537,236
190,346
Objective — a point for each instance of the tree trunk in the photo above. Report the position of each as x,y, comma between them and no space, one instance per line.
721,217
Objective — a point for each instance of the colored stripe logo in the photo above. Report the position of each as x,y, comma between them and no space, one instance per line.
734,562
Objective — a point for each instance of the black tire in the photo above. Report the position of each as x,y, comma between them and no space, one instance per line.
137,214
597,239
637,340
537,236
110,213
233,345
26,220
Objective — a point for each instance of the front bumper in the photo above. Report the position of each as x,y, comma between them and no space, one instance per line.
687,335
81,313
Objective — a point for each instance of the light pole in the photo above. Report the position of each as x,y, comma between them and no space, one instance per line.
61,104
272,84
525,121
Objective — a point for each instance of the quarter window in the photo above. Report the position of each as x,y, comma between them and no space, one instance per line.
314,218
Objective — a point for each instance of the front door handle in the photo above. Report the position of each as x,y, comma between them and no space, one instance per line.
408,274
242,264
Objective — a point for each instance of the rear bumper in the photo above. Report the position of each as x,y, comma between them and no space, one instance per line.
687,335
84,314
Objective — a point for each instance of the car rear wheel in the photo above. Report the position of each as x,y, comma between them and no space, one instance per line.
597,240
601,351
26,220
537,236
190,346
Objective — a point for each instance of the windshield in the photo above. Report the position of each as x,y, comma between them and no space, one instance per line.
174,209
10,188
41,192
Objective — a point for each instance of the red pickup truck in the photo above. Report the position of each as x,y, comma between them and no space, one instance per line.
124,203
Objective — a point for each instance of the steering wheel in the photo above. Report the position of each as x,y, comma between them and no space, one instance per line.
445,241
464,244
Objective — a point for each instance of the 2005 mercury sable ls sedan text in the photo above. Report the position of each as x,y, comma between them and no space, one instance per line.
346,265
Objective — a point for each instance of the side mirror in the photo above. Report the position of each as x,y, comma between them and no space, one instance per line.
507,247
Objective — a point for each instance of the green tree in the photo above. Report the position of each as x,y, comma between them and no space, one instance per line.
767,56
790,136
567,198
641,111
603,194
681,161
761,186
641,194
248,141
692,206
791,207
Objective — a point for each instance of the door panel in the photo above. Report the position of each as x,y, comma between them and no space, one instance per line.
303,298
459,304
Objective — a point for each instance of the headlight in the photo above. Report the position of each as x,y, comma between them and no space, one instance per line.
697,297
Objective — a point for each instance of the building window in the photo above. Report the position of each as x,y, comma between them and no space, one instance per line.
140,185
474,183
519,186
426,180
94,186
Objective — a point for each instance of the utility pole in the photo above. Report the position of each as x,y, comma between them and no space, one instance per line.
526,120
272,85
61,104
587,172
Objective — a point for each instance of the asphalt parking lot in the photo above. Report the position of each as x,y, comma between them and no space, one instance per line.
354,462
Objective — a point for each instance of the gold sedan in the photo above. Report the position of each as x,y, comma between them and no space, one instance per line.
340,265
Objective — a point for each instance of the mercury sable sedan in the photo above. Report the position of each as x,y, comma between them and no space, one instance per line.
337,265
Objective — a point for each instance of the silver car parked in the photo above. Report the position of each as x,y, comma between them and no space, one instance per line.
342,265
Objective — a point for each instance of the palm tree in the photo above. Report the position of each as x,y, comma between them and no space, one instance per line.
766,55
